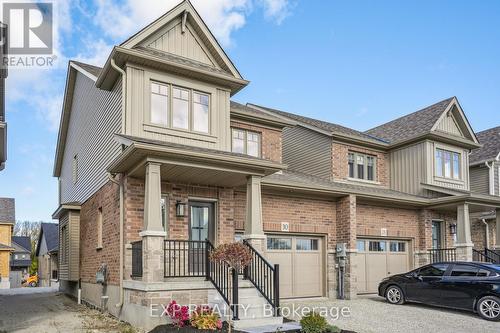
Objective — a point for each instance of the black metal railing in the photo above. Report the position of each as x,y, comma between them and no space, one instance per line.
486,255
437,255
185,258
225,280
137,259
265,277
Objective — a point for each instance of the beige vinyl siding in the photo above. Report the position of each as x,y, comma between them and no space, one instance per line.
186,44
408,168
307,151
95,118
138,108
69,269
497,178
480,179
449,125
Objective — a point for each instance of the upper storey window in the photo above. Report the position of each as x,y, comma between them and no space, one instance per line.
186,109
362,166
245,142
447,164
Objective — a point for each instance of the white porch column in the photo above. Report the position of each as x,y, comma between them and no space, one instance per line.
464,243
254,229
497,233
153,234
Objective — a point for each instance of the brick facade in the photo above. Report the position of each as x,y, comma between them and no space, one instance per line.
340,159
271,139
478,230
108,199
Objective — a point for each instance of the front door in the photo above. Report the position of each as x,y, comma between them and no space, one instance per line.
201,228
436,235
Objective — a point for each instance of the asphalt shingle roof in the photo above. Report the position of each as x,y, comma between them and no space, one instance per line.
411,125
20,263
490,139
7,210
94,70
235,106
323,125
51,233
22,241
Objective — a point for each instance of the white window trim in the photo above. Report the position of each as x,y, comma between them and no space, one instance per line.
245,140
100,221
461,174
375,169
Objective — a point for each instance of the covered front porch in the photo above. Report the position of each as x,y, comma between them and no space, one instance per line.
179,205
462,247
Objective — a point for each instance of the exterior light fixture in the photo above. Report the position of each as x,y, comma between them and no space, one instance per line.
180,209
453,229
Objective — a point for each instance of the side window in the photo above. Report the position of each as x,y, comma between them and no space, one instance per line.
464,270
484,273
376,246
433,270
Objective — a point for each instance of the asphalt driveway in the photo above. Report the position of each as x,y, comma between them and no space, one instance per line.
371,314
46,311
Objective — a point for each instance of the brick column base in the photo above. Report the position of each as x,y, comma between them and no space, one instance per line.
421,258
153,269
351,276
258,242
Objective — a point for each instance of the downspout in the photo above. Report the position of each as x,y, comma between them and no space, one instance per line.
487,234
120,183
491,177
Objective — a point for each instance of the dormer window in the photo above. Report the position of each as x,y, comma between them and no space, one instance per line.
447,164
361,166
179,108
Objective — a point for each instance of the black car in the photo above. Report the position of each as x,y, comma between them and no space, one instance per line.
471,286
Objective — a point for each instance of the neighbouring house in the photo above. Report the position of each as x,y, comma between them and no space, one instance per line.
3,77
47,252
156,164
484,168
7,220
20,260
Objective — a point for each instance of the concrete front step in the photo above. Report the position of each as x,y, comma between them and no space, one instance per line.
248,323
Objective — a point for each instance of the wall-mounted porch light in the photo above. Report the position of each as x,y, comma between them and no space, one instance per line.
180,209
453,229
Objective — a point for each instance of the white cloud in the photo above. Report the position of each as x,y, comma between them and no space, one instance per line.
96,52
276,10
222,16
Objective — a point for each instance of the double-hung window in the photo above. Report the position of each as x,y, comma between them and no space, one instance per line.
362,166
246,142
447,164
179,108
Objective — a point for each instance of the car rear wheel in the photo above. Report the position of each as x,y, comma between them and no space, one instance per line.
489,308
394,295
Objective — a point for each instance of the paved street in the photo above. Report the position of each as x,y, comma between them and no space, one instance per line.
46,311
371,314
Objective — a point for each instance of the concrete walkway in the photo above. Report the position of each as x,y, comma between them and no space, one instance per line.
43,310
371,314
28,290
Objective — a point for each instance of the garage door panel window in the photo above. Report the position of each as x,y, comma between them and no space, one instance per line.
433,270
307,244
398,247
279,244
361,245
376,246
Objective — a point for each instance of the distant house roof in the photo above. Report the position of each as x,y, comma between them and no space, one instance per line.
5,247
22,241
20,263
50,231
7,210
411,125
490,139
320,124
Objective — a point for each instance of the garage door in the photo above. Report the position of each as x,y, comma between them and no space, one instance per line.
301,264
377,259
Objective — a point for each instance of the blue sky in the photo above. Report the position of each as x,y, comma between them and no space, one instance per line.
356,63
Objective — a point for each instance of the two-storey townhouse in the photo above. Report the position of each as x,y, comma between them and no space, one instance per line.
484,178
20,260
153,159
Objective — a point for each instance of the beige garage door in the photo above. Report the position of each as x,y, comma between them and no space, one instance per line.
301,264
377,259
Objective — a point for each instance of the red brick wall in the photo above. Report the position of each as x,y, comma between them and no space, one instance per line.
271,140
340,161
178,226
91,258
346,221
478,230
304,215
